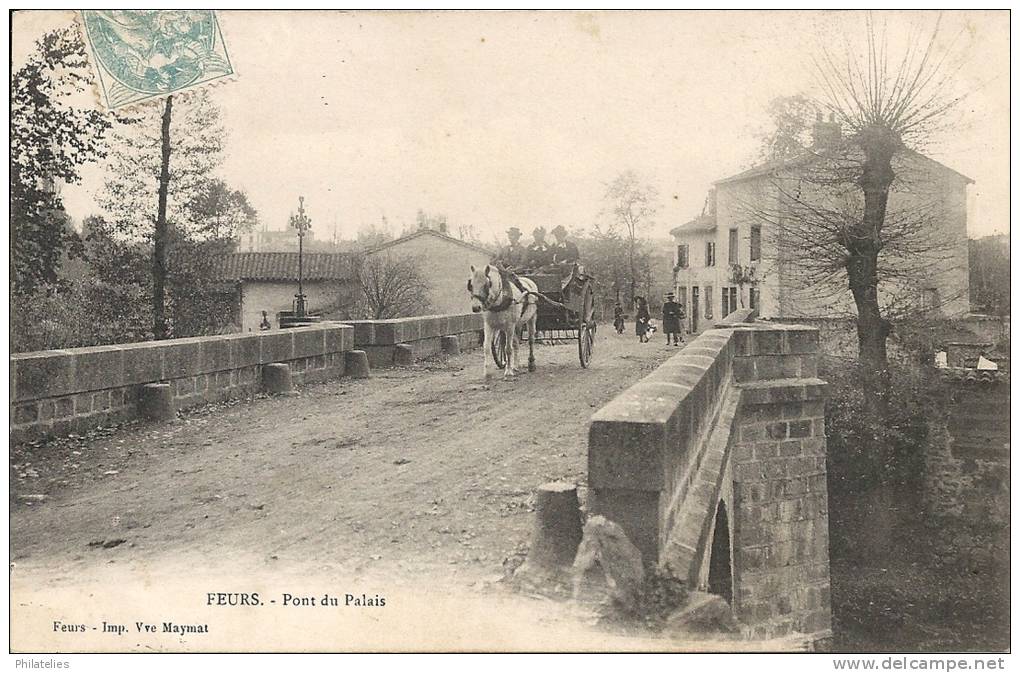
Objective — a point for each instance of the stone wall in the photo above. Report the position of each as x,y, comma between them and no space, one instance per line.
967,465
387,341
736,417
63,391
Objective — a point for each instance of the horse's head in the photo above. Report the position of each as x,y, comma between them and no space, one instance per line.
484,285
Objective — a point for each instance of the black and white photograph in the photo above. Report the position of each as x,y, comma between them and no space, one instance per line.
510,331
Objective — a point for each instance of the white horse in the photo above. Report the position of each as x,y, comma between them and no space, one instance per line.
504,307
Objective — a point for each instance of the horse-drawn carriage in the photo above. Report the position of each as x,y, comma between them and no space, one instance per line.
566,312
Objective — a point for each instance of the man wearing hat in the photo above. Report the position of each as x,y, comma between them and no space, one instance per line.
563,251
539,252
672,314
513,256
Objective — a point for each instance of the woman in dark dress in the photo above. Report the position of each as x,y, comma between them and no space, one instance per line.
642,318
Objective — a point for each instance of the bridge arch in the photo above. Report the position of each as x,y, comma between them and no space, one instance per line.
714,465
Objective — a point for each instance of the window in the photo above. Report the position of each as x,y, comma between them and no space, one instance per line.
682,260
733,299
733,246
755,298
708,302
755,243
725,302
710,253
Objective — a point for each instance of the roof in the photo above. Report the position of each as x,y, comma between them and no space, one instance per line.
283,266
698,224
428,232
768,167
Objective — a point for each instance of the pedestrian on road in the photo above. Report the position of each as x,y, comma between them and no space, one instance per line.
618,318
642,319
265,324
671,317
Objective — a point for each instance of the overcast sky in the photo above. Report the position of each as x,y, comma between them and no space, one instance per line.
500,119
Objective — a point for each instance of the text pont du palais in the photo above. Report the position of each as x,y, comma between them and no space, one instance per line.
290,600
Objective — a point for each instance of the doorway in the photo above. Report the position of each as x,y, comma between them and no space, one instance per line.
694,309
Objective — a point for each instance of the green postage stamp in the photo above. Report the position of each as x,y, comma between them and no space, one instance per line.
145,54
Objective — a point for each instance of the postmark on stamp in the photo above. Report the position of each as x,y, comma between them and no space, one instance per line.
144,54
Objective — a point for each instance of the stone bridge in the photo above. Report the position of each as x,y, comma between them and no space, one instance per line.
714,465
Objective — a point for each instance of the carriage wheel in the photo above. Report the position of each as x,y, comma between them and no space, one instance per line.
500,349
586,326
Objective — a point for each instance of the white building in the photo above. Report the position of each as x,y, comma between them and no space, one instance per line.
728,233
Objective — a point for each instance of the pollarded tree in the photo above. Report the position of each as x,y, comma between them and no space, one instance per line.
829,209
51,138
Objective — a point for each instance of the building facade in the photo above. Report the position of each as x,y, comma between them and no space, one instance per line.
730,257
445,263
268,281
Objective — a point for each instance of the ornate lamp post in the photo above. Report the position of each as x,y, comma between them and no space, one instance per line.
302,223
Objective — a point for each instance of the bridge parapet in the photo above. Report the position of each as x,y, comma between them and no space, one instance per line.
73,390
385,340
714,465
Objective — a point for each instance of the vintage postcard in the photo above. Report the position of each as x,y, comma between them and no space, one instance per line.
510,331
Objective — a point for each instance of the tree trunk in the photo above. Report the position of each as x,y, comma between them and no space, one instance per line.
633,273
159,268
872,329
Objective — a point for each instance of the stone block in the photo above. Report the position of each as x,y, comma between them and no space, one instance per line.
44,374
800,429
388,332
143,362
182,357
333,339
216,354
450,344
155,402
63,407
771,342
244,350
276,346
776,367
356,364
626,455
403,355
802,341
309,342
777,430
276,378
99,367
26,413
364,332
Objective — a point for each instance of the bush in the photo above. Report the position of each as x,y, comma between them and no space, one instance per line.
865,453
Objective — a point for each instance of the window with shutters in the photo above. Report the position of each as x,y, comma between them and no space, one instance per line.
708,302
755,243
733,246
755,298
682,260
710,253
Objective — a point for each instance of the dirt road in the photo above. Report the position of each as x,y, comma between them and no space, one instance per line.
415,472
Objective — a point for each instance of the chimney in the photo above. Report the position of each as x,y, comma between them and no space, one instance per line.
826,135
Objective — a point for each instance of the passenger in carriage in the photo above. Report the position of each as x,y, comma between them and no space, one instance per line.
539,252
515,255
564,251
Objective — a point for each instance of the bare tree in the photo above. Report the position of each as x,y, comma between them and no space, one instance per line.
828,207
393,287
632,206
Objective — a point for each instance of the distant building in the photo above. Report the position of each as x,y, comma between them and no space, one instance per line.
725,234
268,281
445,263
